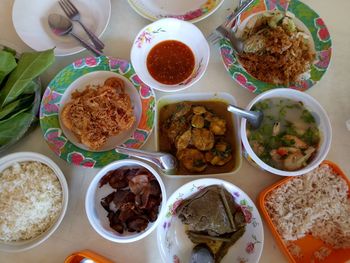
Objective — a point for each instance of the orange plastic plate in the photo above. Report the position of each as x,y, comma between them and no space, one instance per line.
307,244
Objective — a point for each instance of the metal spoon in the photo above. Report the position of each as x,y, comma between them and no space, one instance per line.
201,254
61,26
165,161
255,118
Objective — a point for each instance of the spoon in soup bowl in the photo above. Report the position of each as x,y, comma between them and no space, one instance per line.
255,118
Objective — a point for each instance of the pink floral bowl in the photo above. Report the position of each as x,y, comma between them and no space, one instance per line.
170,29
176,247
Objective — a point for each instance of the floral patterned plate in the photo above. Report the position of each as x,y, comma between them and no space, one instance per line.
175,246
192,11
306,19
57,137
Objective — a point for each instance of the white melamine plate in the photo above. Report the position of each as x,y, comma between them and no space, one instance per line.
176,247
30,19
192,11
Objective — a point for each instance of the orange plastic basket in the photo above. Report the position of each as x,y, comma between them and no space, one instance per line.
308,244
77,257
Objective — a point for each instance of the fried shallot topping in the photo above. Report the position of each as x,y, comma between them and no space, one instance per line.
99,112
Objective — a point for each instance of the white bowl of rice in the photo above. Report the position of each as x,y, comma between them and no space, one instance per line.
33,200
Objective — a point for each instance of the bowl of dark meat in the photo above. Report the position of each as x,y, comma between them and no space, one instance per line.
125,201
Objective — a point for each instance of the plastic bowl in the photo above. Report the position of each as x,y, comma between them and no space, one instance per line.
207,97
97,215
170,29
7,161
322,120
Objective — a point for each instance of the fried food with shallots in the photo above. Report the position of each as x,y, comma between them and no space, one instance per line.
99,112
276,51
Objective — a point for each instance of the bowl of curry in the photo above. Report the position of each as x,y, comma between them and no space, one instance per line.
170,55
200,132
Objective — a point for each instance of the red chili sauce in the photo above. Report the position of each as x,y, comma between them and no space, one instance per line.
170,62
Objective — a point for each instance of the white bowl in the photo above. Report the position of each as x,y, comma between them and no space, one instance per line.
97,215
174,244
322,121
203,96
10,159
170,29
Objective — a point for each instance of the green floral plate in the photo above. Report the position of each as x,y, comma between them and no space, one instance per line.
53,98
310,19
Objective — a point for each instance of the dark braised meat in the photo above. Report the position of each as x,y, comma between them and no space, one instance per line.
136,200
212,218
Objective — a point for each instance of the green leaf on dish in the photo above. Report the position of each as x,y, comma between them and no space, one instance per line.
22,103
13,126
30,66
7,64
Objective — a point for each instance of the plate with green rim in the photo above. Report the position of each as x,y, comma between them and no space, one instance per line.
191,11
56,136
310,20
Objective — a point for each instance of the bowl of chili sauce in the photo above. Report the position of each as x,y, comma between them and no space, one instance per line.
170,55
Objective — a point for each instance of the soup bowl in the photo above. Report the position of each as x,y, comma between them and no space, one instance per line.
322,122
170,29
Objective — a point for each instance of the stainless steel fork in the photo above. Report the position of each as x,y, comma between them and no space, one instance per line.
226,29
73,13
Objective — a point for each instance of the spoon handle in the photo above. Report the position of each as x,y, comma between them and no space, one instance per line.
157,158
97,42
241,112
87,45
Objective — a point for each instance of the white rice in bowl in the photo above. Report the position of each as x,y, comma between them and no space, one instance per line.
316,203
30,200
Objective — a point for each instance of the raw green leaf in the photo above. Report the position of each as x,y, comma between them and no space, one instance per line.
31,87
30,65
12,127
10,50
21,104
7,64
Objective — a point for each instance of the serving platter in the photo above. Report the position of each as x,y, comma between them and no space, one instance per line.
175,246
308,244
30,19
54,96
192,11
308,19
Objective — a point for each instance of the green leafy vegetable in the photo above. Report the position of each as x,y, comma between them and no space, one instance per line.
7,64
30,66
13,126
20,104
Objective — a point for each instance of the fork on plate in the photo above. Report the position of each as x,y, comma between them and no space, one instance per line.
73,14
226,29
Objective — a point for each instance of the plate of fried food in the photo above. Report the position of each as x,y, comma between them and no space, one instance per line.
286,44
94,105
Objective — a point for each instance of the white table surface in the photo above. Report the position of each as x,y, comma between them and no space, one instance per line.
75,232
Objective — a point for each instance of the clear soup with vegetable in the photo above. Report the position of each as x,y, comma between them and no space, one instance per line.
288,137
